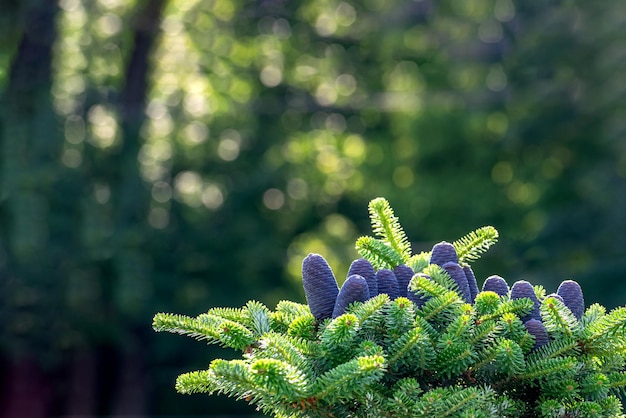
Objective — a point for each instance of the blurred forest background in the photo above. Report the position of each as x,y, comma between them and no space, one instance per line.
175,155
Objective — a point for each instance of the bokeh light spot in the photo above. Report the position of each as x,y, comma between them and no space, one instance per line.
338,226
74,129
212,196
161,192
188,185
72,158
522,193
196,133
228,149
551,168
273,199
325,25
297,188
158,218
102,193
336,123
498,123
403,177
496,79
502,172
504,10
271,76
354,148
345,84
326,95
345,14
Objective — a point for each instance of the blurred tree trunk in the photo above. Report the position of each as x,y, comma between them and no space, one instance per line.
132,204
25,114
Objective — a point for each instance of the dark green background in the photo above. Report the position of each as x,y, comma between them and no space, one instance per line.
170,155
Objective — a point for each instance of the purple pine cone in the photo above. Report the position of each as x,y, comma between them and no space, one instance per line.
320,286
387,283
404,274
523,289
496,284
417,299
572,296
458,275
364,268
354,289
535,328
443,253
471,281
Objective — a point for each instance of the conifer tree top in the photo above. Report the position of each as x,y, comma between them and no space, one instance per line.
411,335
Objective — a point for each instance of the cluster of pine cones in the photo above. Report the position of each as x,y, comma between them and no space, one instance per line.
326,300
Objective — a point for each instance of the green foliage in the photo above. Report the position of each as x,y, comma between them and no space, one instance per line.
392,358
392,247
472,245
378,253
387,227
139,146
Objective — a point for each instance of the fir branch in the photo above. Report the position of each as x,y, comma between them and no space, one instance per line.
418,262
399,317
388,228
618,382
338,338
513,328
451,401
591,315
185,325
288,349
285,313
484,333
414,349
200,381
207,327
518,307
304,327
232,314
509,358
556,348
259,317
230,333
559,367
557,318
471,246
596,386
405,394
291,309
426,287
428,328
461,327
377,252
363,311
453,356
486,303
457,401
282,381
349,379
438,309
612,324
230,377
340,331
611,407
485,357
441,277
